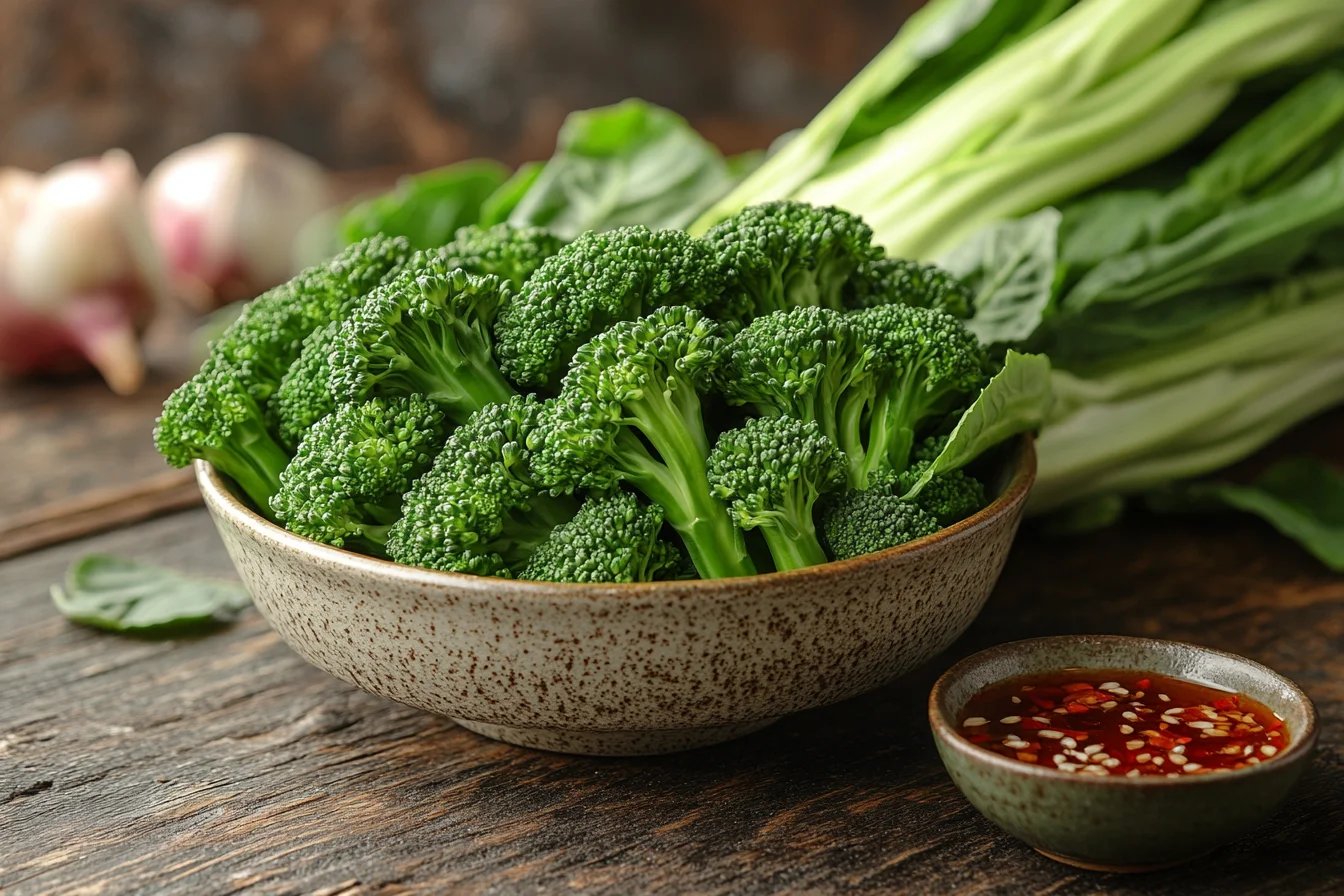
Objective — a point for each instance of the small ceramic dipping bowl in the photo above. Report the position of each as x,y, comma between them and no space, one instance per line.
623,669
1120,823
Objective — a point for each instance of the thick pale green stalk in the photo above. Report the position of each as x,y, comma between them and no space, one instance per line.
1061,61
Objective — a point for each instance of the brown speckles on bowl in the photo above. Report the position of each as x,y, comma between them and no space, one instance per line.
621,669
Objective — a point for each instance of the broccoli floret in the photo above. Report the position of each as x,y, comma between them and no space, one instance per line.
897,281
304,396
863,521
268,335
629,410
949,497
511,253
427,332
480,509
927,364
610,539
345,483
599,279
214,417
808,363
928,448
788,254
771,472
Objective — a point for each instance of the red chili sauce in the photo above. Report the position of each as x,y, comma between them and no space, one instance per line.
1105,722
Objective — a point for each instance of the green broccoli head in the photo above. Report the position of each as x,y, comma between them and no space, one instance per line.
864,521
928,448
427,332
268,335
345,484
629,410
480,509
771,472
807,363
927,364
788,254
304,396
599,279
610,539
214,417
898,281
511,253
949,497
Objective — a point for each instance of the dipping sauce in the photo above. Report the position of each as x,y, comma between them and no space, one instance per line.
1107,722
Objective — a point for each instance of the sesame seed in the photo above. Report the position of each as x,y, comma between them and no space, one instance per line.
1254,760
1110,762
1109,704
1096,770
1248,751
1174,710
1120,692
1268,750
1177,758
1164,698
1271,734
1129,715
1107,685
1172,775
1077,754
1133,745
1042,719
1068,742
1060,759
1143,757
1028,687
1201,725
1192,767
1138,695
1180,748
1099,757
1027,757
975,722
1010,720
1215,732
1133,773
1126,729
1095,748
1069,767
1050,733
1017,699
1158,760
1060,711
1170,720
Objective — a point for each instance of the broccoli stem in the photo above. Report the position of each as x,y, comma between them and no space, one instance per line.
680,482
255,463
462,381
794,544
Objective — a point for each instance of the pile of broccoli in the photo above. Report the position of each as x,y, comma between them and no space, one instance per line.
635,405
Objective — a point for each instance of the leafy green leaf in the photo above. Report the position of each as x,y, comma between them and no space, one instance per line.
121,595
501,203
1010,267
632,163
1301,497
1017,399
427,208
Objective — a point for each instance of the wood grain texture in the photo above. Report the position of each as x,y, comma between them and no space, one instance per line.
224,764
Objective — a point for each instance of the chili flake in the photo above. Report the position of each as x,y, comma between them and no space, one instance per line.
1110,729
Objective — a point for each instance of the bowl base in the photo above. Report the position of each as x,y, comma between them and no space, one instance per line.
647,742
1119,869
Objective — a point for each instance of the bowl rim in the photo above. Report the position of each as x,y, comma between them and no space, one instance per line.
946,732
221,499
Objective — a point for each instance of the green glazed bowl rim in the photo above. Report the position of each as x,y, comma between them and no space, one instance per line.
946,732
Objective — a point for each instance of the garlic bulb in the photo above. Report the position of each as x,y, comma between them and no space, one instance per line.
80,276
226,213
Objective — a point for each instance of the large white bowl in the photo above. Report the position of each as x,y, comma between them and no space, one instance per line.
622,669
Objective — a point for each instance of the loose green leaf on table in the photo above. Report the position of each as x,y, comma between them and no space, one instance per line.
121,595
632,163
1301,497
427,208
1016,400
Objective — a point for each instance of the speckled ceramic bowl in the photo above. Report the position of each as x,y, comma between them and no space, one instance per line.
1120,824
622,669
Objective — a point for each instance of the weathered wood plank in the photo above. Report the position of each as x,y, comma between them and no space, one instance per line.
224,764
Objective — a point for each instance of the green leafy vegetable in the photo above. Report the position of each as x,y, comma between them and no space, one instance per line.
121,595
1301,497
1016,400
428,208
632,163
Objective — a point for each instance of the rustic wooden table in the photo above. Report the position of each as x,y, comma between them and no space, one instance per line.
224,764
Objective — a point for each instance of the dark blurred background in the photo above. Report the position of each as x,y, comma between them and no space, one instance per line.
411,84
